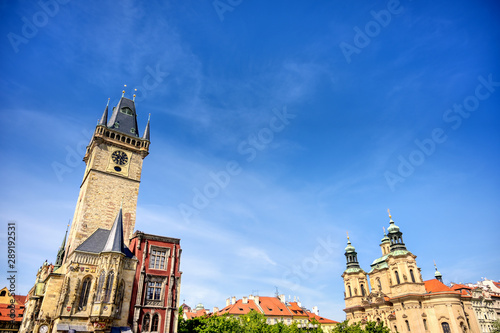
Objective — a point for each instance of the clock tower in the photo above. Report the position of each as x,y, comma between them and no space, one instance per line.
112,176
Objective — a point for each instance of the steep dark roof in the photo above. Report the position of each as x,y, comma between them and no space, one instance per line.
97,241
124,118
146,132
104,118
114,243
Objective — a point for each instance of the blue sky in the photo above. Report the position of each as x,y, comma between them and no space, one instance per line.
326,114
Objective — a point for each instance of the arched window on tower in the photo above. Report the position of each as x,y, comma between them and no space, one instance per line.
119,299
350,292
363,290
412,276
379,284
154,323
109,286
407,325
425,324
446,327
99,286
84,294
397,277
145,323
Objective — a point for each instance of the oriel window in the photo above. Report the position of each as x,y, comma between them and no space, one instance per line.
154,291
157,259
109,286
84,294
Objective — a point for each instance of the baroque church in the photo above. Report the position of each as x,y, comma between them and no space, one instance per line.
393,292
106,278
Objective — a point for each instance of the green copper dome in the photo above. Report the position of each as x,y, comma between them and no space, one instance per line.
349,247
385,239
393,227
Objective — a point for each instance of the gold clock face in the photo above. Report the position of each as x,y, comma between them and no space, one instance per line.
119,157
43,329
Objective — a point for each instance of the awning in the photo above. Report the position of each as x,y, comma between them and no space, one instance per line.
123,329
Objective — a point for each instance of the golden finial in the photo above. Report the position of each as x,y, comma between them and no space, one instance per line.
384,229
108,102
149,117
347,232
133,99
389,211
123,91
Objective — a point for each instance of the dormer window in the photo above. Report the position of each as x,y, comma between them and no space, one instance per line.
127,111
132,130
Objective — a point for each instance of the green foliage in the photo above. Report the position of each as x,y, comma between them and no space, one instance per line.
252,322
369,327
496,326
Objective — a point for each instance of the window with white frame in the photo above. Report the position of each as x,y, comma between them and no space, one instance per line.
157,258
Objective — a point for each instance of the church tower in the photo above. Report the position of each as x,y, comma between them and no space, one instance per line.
112,176
355,280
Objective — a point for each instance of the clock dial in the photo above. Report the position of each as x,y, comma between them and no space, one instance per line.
119,157
43,329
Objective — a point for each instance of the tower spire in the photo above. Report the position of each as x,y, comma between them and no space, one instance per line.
61,252
115,238
145,136
104,118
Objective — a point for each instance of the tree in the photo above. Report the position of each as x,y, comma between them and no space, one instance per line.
369,327
496,326
252,322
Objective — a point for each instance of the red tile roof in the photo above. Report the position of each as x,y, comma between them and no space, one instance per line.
460,286
320,319
497,284
240,308
435,286
20,299
272,306
199,313
296,309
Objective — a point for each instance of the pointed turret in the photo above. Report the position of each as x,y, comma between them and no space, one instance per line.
146,131
124,118
395,235
104,118
115,238
61,252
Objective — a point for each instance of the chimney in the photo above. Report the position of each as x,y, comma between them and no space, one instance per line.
256,299
228,302
233,300
216,309
315,310
250,296
298,302
245,300
282,298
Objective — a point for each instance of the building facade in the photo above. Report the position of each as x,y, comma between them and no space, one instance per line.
483,302
393,292
277,309
90,287
155,294
11,311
